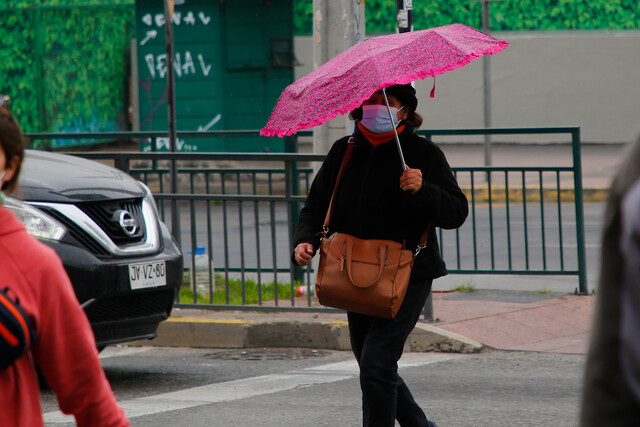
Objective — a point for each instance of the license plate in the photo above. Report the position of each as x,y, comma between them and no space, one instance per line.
147,275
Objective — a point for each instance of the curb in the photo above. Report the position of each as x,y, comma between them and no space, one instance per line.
327,335
592,194
425,337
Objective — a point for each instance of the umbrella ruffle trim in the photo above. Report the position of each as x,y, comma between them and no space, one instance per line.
279,132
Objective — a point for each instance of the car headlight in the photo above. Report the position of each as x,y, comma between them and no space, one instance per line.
37,223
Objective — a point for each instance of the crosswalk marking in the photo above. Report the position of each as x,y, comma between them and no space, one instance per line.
250,387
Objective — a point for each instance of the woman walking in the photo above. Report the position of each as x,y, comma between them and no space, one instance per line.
376,199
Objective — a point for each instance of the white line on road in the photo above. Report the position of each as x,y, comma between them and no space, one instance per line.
249,387
112,352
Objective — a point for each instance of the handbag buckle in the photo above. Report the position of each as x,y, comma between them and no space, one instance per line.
418,249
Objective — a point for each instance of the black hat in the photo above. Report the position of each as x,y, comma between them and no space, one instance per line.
405,93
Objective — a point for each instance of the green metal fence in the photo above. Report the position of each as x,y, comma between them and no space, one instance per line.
236,214
535,200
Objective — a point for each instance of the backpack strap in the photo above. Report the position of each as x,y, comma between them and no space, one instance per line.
17,334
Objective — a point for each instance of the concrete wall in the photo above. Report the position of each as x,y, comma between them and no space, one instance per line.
589,79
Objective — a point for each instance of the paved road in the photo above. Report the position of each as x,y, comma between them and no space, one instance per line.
205,387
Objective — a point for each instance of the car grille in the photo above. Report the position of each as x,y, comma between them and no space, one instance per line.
108,228
107,214
78,233
118,308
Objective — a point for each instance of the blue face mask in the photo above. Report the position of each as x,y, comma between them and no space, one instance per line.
376,118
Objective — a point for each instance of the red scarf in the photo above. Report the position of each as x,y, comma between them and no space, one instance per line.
378,138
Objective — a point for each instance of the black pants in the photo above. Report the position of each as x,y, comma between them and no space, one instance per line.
377,345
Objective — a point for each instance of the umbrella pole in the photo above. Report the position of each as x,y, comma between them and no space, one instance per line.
395,132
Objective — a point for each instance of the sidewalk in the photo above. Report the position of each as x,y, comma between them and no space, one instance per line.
526,321
465,323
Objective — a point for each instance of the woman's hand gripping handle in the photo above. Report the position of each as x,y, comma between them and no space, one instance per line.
411,180
303,253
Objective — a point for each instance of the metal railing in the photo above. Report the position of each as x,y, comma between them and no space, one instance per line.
237,215
539,192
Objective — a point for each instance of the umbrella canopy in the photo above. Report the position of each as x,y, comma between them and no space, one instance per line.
344,82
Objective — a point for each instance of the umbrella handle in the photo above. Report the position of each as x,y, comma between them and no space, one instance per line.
395,132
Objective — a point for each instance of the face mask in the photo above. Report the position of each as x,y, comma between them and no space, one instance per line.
376,118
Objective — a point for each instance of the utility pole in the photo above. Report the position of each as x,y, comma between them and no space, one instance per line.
486,76
171,105
337,25
405,15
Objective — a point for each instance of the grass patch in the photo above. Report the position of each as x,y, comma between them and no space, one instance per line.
186,296
252,291
466,288
543,291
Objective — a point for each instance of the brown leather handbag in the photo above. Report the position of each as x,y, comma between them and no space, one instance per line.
365,276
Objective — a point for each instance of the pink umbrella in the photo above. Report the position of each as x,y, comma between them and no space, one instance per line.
343,83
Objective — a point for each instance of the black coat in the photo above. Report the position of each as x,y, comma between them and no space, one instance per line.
370,204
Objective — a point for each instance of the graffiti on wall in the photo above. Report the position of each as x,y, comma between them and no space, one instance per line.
183,64
192,64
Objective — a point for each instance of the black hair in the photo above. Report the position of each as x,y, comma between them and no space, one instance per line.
12,142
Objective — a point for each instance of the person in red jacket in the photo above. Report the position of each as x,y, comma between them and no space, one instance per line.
64,349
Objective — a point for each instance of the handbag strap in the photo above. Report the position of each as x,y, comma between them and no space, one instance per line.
343,167
423,241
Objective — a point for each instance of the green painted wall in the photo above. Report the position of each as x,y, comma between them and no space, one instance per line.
232,61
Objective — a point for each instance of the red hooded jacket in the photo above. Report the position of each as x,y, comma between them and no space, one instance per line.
65,348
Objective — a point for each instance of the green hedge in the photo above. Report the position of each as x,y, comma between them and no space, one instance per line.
507,15
65,63
18,70
11,4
